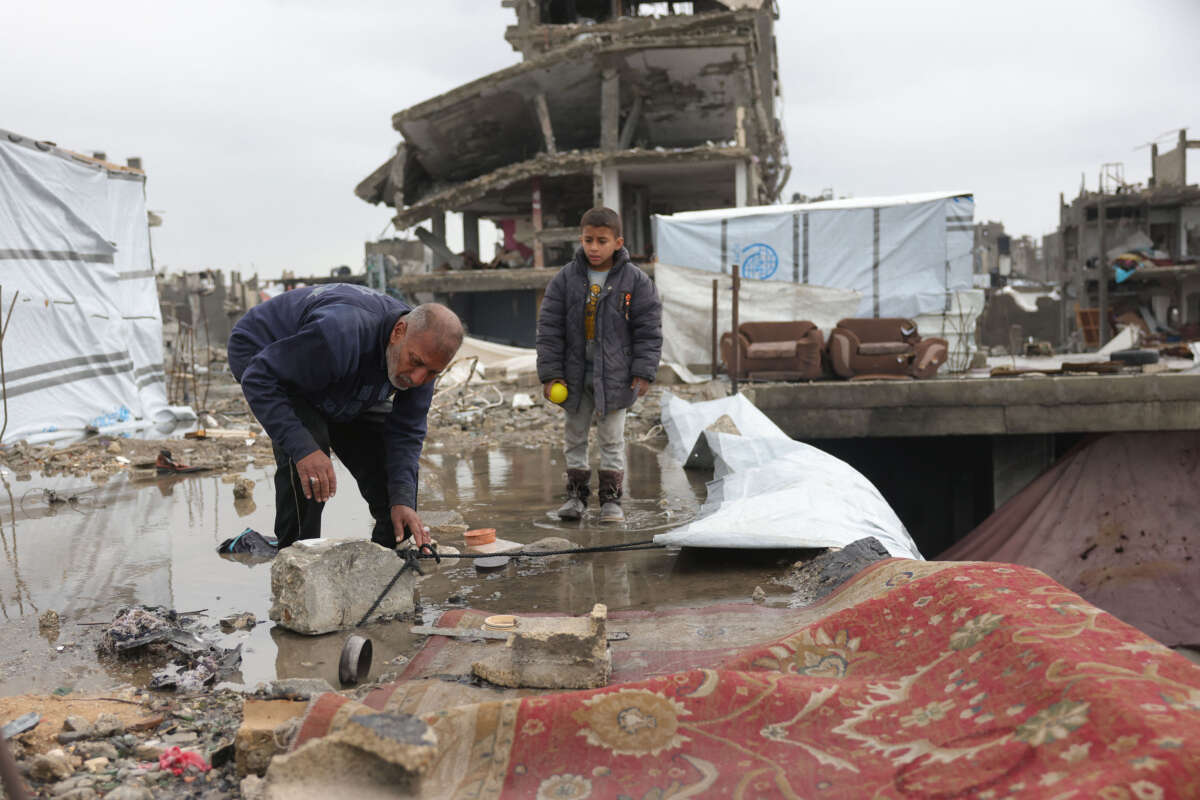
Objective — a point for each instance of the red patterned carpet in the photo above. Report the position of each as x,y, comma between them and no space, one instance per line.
916,679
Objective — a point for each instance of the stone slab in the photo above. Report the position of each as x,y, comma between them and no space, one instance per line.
552,653
324,585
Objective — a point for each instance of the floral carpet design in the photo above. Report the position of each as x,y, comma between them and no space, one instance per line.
916,679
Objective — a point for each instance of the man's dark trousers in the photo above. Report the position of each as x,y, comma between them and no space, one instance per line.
359,445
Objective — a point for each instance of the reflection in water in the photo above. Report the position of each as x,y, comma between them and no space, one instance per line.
155,543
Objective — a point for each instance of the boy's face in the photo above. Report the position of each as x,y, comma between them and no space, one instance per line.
599,244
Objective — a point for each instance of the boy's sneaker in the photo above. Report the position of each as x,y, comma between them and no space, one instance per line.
610,495
611,512
577,494
572,509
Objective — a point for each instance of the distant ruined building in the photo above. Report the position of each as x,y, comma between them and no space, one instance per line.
646,107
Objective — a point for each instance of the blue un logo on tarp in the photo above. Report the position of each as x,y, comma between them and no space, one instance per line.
759,261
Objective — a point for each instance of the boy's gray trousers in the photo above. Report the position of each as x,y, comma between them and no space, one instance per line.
610,435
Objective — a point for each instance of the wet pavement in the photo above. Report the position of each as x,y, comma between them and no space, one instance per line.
90,549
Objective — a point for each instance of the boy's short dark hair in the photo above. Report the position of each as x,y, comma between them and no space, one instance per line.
601,217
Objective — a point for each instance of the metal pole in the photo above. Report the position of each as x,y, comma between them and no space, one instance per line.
715,288
1102,270
736,369
14,784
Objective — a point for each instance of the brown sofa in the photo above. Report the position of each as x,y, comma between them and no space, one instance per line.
775,351
889,346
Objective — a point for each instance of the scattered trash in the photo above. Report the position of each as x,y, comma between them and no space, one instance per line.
166,465
238,622
500,622
177,761
491,563
48,623
23,723
480,536
355,663
197,661
250,542
521,401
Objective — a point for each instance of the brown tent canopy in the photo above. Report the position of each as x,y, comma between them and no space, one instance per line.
1116,521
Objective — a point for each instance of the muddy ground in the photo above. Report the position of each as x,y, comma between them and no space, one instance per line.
86,529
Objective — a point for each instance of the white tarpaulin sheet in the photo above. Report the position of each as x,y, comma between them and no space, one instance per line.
687,308
769,491
84,345
904,255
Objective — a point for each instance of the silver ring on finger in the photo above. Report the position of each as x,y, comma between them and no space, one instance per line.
313,479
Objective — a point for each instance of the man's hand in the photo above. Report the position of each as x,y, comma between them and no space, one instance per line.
316,476
546,388
404,518
641,386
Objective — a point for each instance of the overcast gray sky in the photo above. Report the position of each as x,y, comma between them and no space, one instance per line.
256,118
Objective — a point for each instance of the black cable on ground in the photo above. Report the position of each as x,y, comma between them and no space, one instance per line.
413,556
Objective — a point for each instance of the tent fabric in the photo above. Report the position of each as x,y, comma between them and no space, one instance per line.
84,345
1114,521
914,679
687,308
905,255
769,491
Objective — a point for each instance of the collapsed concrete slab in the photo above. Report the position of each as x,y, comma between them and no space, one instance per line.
371,756
553,653
325,585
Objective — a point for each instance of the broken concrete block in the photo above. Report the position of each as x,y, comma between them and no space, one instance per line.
243,488
553,653
324,585
444,524
51,766
816,579
399,739
256,744
371,756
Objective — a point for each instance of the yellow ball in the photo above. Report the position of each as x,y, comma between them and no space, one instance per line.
558,393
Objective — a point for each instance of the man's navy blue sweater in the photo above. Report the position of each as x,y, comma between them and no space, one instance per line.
328,345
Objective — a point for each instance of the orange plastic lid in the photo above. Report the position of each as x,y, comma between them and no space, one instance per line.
481,536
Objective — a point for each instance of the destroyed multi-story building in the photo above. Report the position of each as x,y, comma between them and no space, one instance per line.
1157,226
645,107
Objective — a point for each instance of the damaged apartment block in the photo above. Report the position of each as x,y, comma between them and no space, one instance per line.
648,108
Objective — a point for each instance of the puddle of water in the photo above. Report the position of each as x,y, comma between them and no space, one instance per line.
155,543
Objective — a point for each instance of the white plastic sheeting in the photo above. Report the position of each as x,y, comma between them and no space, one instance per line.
905,255
769,491
84,346
687,308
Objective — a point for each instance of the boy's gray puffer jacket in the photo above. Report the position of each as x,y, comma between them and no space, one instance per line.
628,332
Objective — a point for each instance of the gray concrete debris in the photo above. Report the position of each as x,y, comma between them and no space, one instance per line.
238,622
553,653
759,595
324,585
816,579
108,725
399,739
294,688
444,524
129,791
243,488
724,424
52,766
330,767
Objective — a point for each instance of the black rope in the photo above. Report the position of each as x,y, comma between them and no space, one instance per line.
412,557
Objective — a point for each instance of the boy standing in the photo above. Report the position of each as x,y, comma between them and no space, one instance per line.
600,334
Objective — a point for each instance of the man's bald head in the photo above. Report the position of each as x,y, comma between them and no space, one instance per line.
439,322
423,343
